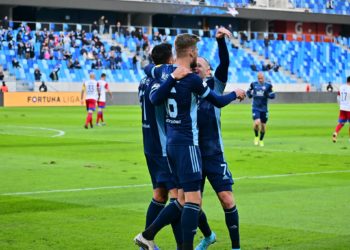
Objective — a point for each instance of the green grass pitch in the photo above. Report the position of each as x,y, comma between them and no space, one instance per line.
292,194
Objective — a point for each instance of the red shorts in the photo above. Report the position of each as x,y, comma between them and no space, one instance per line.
90,104
101,104
344,116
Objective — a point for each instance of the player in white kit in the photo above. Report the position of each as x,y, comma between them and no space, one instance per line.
101,102
91,88
344,103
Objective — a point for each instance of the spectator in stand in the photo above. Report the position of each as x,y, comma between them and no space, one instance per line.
37,75
2,75
134,63
4,88
329,87
94,26
106,30
76,64
15,63
67,55
54,74
5,23
101,24
43,87
119,30
330,4
97,64
156,38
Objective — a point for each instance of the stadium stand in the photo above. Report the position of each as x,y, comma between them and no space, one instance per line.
123,54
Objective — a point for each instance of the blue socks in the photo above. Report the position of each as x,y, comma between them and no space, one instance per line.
203,224
154,209
189,223
177,231
232,223
169,214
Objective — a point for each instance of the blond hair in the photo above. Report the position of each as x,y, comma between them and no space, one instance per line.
185,41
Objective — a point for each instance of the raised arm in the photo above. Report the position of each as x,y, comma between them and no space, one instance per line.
221,71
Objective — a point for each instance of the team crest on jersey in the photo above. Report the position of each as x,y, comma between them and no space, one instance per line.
204,84
263,87
164,76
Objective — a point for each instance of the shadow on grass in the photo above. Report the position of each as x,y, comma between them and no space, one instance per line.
16,204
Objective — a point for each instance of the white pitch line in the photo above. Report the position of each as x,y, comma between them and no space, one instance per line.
147,185
59,132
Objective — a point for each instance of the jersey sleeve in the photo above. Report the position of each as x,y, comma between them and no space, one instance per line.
220,101
198,86
270,93
249,91
221,71
219,86
159,92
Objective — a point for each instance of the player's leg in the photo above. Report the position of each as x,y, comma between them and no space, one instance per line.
170,214
203,225
231,217
99,112
341,122
263,119
221,180
256,126
90,106
190,214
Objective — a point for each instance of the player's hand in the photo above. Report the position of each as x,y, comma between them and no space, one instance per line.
240,93
222,32
181,72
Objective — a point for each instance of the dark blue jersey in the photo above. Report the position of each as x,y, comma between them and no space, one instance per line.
182,104
260,94
209,122
153,120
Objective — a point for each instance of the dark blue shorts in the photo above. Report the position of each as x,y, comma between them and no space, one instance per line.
185,162
263,116
216,170
160,172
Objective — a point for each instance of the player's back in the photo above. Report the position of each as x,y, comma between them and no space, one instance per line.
103,86
182,111
91,89
344,97
153,120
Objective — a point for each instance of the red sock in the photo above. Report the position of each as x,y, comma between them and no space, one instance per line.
88,119
101,116
98,117
339,127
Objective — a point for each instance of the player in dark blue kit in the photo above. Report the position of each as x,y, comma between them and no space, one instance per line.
182,143
260,91
211,145
154,139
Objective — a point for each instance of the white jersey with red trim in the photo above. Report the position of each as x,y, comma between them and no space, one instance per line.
103,86
91,89
344,97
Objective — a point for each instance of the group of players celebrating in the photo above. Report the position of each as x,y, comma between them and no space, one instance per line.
181,102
